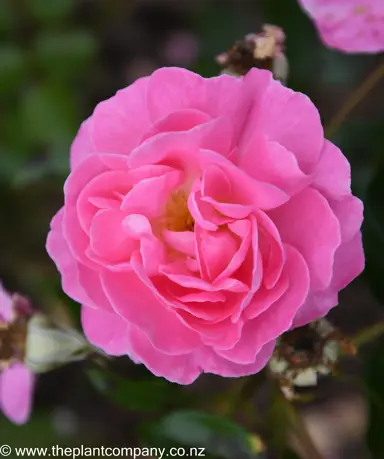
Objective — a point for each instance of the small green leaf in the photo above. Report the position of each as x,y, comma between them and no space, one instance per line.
65,54
219,436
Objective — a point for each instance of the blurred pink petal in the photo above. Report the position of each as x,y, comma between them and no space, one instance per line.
16,390
353,26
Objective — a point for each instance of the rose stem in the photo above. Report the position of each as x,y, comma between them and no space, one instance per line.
354,99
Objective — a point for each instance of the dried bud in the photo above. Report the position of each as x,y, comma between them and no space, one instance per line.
263,50
48,346
303,354
15,311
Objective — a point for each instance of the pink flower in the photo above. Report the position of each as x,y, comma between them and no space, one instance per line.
202,219
352,26
16,380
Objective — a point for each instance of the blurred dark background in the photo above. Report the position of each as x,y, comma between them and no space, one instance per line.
58,59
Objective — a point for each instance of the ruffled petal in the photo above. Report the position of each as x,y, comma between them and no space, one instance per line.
307,223
332,175
138,304
213,363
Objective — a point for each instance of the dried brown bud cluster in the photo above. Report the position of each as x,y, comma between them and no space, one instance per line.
303,354
263,50
13,334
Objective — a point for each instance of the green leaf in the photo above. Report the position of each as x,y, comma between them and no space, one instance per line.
65,54
48,11
13,68
374,380
49,115
219,436
139,395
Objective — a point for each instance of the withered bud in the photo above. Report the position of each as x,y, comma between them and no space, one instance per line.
13,331
264,50
303,354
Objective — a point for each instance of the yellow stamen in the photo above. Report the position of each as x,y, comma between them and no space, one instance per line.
177,215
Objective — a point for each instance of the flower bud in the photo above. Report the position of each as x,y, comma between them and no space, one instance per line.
48,346
302,355
263,50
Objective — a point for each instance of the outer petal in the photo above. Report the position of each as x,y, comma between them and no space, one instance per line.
58,250
182,369
116,125
106,330
16,391
135,301
78,282
215,364
316,305
173,89
308,223
349,263
352,26
349,212
333,173
299,130
271,162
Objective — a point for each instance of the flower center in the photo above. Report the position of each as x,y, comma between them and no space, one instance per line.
177,215
12,341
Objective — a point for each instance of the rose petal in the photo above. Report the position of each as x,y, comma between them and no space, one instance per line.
278,318
308,223
16,391
181,369
332,175
106,330
135,301
213,363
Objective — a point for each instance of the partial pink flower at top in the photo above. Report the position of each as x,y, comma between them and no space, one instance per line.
352,26
16,380
202,219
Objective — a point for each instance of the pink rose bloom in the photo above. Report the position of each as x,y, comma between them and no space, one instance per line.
16,380
202,219
352,26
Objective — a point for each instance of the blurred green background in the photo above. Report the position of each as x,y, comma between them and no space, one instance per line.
58,59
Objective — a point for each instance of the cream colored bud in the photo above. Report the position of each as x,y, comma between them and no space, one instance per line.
48,347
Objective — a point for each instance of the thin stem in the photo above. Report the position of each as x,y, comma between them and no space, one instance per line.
368,334
354,99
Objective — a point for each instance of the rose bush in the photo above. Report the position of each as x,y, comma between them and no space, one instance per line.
352,26
202,219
